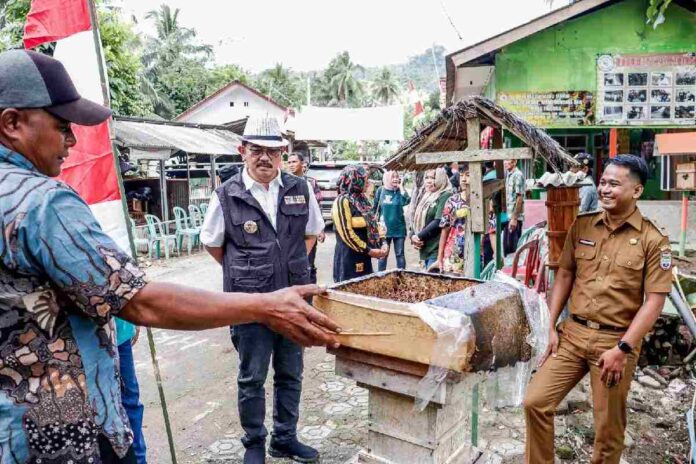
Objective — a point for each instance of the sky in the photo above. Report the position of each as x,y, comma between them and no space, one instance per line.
306,34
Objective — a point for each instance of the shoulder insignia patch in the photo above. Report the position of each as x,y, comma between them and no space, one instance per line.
658,226
666,260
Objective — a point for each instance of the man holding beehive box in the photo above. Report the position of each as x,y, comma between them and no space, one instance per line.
614,272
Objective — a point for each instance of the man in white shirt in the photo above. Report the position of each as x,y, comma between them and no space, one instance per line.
260,225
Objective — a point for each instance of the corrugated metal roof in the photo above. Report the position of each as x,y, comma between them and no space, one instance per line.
139,134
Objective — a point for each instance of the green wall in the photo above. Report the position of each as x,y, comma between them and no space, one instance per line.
564,57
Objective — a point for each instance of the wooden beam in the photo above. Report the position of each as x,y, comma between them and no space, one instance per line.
473,137
473,155
491,187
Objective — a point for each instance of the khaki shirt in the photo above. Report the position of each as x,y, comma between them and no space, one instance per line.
615,268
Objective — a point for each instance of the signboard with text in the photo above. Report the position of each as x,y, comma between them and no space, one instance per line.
550,109
646,89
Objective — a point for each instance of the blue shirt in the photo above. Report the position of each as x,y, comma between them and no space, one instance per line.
61,281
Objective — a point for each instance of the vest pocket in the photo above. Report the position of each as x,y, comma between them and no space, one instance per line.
299,271
256,276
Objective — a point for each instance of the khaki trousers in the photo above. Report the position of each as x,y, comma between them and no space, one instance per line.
579,350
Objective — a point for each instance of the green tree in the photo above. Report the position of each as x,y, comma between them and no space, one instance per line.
385,88
344,87
281,85
174,51
124,69
13,14
220,76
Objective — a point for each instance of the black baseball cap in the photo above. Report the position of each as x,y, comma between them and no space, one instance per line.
30,79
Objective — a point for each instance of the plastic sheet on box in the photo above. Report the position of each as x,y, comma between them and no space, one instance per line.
506,352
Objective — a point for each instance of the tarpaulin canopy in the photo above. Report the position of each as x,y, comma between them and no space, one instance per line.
377,123
151,136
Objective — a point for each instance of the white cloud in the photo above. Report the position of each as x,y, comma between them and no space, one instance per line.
306,34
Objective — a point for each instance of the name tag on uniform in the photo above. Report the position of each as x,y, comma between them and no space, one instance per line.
295,200
586,242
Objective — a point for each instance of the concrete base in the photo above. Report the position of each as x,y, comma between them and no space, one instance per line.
397,433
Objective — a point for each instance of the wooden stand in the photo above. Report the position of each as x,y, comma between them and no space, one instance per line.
399,434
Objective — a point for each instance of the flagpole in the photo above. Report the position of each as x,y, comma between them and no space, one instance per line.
103,79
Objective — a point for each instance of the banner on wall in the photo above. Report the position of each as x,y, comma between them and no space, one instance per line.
550,109
646,89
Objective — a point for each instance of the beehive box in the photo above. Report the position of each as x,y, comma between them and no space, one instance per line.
381,304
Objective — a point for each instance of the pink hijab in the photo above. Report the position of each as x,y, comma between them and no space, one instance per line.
388,180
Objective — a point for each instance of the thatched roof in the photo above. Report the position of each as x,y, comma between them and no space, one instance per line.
448,133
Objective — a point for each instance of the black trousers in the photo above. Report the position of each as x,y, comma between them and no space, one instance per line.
511,237
108,456
258,347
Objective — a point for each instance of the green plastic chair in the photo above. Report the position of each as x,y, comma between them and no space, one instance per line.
157,236
488,271
139,242
195,215
204,208
183,230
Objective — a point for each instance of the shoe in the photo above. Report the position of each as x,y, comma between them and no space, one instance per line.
294,450
255,455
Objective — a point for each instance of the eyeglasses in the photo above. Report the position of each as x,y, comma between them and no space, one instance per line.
271,152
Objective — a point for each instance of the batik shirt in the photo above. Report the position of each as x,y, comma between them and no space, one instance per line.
61,281
455,216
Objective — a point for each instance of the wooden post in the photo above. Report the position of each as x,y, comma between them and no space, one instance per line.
473,139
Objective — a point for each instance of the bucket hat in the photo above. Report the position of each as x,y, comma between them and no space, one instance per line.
264,131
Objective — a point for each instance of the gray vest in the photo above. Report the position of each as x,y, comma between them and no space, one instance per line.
257,258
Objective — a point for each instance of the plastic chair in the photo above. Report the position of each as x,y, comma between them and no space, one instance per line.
139,242
195,215
532,263
204,208
488,271
158,236
184,231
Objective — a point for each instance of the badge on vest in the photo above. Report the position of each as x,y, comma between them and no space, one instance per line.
295,200
666,260
250,227
586,242
359,267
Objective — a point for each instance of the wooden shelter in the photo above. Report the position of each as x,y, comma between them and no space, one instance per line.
454,136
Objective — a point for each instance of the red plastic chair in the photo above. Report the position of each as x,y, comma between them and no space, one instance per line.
531,267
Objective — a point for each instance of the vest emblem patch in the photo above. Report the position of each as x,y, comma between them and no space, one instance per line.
250,227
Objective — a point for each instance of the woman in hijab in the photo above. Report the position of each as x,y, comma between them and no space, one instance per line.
357,232
389,203
427,215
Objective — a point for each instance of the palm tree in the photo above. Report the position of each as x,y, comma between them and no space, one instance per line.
385,89
343,85
173,41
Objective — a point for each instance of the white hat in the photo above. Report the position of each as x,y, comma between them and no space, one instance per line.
264,131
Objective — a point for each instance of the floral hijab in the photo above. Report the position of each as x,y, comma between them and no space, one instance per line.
352,184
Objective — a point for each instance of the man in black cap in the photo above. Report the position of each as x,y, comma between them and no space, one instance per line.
62,279
589,199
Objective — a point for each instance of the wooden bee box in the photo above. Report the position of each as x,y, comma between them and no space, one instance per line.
378,308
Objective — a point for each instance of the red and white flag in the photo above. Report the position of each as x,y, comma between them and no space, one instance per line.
90,169
415,100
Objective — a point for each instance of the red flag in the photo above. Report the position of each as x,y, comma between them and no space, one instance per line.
90,167
51,20
415,100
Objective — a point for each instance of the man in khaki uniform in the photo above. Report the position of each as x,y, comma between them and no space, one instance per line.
616,269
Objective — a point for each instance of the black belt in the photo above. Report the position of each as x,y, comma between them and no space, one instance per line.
597,325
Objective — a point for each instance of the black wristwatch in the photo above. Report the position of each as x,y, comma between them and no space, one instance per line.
625,347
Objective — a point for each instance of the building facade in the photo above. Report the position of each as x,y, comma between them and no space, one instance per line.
593,74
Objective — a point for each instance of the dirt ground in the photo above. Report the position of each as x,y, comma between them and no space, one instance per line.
198,377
